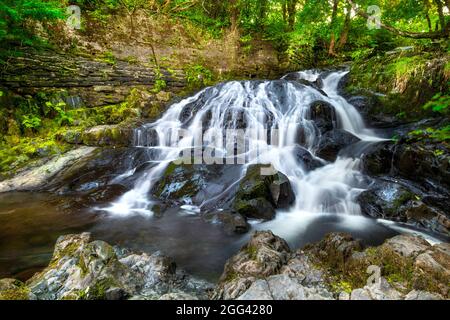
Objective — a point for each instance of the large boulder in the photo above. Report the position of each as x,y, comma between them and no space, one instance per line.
259,194
425,163
196,184
266,269
405,263
306,159
232,222
323,115
392,201
84,269
332,142
107,135
377,160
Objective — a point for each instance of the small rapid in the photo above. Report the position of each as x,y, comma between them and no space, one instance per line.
273,119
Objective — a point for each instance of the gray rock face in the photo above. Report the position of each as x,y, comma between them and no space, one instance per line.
422,295
284,287
266,269
381,290
407,245
91,82
84,269
40,176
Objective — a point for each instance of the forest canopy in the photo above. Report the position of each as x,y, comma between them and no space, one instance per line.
314,27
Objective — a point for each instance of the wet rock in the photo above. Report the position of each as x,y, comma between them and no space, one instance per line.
182,181
258,195
107,135
307,160
93,270
232,222
425,163
332,142
97,174
39,177
421,163
106,193
378,159
389,200
323,115
383,200
295,76
190,110
258,208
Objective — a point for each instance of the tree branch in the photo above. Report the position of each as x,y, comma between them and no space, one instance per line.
444,33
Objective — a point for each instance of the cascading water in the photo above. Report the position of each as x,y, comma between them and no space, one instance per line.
282,106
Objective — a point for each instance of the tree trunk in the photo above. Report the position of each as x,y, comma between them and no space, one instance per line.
284,11
414,35
427,14
440,13
291,11
262,12
331,48
344,34
234,18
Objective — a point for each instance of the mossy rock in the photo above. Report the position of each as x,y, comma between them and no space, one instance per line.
182,181
107,135
259,194
12,289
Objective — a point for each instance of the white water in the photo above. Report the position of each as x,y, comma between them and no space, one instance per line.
329,189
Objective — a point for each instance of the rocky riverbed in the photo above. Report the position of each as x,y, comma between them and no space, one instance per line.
265,268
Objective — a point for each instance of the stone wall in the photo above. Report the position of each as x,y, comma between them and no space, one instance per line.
87,81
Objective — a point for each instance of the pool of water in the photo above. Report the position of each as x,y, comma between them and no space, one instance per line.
30,223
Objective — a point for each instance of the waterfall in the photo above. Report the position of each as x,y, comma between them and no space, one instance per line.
282,106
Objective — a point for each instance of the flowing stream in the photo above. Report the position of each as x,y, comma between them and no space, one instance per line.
274,122
266,107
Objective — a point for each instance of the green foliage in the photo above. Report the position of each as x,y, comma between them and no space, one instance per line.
198,76
159,85
440,134
439,103
61,118
14,14
31,121
108,57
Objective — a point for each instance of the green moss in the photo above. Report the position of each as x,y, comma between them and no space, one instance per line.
252,251
98,290
19,291
352,275
231,275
